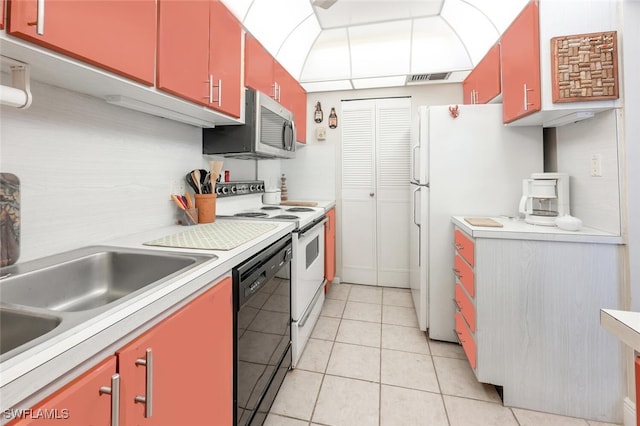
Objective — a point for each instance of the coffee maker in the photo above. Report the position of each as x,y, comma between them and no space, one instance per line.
545,197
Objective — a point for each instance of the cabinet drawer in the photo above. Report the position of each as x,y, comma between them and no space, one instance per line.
464,274
464,246
466,307
466,339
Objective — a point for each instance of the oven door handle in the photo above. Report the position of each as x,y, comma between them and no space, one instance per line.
307,313
312,227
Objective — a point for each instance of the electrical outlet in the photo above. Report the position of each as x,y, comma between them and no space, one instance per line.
596,165
177,186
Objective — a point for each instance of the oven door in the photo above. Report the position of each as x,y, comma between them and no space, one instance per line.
307,267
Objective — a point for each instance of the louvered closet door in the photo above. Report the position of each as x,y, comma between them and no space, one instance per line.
375,188
359,264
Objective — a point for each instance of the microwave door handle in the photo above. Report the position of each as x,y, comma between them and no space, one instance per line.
293,134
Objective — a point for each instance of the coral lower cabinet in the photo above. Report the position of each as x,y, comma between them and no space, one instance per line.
265,74
200,53
483,83
330,248
178,372
118,36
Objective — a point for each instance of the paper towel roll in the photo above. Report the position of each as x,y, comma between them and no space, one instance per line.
13,97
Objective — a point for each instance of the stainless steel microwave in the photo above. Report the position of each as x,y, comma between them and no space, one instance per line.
268,132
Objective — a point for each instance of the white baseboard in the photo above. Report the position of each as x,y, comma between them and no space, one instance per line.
629,412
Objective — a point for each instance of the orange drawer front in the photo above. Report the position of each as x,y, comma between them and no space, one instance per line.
464,274
464,245
465,337
466,307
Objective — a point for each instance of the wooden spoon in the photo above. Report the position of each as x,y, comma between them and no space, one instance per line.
195,175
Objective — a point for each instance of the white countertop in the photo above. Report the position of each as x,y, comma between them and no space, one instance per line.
625,325
520,230
90,342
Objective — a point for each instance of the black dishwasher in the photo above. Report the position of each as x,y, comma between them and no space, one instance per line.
262,345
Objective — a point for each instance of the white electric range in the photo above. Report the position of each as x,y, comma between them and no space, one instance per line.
243,200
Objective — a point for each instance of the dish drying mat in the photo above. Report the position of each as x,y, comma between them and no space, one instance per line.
215,236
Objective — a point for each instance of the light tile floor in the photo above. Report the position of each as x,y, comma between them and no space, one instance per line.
367,363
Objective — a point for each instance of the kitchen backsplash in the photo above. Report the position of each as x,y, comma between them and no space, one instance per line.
595,200
90,171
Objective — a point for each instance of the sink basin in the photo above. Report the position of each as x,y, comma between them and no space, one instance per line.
89,277
19,328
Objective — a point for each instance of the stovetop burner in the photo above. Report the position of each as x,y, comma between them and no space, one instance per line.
271,208
286,216
251,214
300,209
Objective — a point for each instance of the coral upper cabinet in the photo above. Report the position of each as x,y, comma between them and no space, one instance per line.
265,74
200,53
483,83
119,36
520,54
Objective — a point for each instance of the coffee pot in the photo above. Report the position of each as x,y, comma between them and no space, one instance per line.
545,197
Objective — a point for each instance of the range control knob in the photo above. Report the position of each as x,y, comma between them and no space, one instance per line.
225,189
252,188
234,189
218,190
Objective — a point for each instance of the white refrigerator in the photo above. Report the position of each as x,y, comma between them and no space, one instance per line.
470,165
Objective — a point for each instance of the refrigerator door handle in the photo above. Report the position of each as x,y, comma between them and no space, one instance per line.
413,163
415,191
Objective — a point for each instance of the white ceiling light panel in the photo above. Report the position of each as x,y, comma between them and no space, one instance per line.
371,83
436,47
380,49
327,86
500,13
476,32
358,12
271,22
293,53
329,58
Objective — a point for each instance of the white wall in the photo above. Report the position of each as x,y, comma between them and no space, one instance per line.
91,171
595,200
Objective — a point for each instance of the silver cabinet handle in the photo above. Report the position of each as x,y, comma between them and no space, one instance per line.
210,88
39,22
459,246
526,97
219,92
148,398
114,391
457,272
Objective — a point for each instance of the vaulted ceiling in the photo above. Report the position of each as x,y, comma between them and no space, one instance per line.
353,44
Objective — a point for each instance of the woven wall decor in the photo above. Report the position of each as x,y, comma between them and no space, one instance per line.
585,67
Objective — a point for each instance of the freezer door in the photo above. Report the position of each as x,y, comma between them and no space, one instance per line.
418,268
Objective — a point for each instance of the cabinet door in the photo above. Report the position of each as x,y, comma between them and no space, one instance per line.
293,97
119,36
483,84
225,59
190,365
258,66
78,403
330,248
521,65
183,49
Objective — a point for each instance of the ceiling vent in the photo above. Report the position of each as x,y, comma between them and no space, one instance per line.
425,78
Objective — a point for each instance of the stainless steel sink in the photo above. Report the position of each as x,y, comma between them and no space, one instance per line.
90,277
18,328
